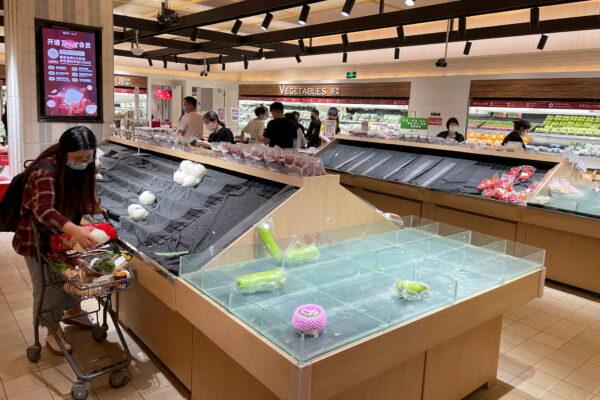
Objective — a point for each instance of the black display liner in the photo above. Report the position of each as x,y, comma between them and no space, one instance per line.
211,216
442,170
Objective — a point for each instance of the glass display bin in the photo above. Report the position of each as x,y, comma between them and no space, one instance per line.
381,114
126,102
361,280
556,125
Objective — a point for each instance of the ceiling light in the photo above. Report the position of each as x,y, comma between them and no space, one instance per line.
220,58
534,19
150,62
400,32
304,14
345,40
194,34
467,49
345,58
410,3
187,67
298,59
542,42
207,67
223,66
236,27
246,63
347,9
267,21
462,27
397,53
261,54
136,50
302,46
164,63
176,58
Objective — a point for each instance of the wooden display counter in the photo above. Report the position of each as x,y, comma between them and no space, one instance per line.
445,354
572,242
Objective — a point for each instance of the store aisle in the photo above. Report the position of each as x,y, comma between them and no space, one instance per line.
52,378
550,350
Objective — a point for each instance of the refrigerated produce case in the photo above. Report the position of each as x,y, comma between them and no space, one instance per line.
198,324
128,103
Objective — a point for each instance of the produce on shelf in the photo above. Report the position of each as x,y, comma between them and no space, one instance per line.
562,186
490,139
309,319
137,212
189,173
503,188
301,254
576,125
266,235
147,198
411,290
261,281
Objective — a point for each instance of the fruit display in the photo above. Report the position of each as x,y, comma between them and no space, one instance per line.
503,188
489,139
490,124
571,125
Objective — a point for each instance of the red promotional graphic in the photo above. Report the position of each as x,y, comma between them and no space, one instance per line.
69,69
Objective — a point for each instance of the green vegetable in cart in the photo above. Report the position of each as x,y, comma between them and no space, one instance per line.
61,266
265,233
411,290
301,254
261,281
104,265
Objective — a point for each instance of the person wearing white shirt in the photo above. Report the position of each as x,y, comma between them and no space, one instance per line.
256,127
191,124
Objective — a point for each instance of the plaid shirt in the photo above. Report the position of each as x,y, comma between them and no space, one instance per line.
39,198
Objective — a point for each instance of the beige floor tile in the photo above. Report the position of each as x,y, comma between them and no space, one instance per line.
524,356
9,328
150,382
527,389
506,346
37,394
524,330
565,329
168,392
584,317
582,352
504,376
506,322
61,389
24,294
14,287
11,340
565,359
127,392
596,326
511,365
550,395
554,368
2,394
585,382
513,337
539,320
554,310
571,392
590,369
22,384
536,347
540,378
588,338
549,340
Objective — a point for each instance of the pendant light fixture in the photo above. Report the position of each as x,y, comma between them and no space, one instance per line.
542,43
347,9
298,59
345,58
246,63
302,46
467,49
267,21
303,18
236,26
261,54
397,53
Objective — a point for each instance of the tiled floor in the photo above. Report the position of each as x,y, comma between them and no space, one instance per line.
550,350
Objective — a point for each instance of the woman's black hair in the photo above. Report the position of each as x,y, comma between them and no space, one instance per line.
75,190
521,124
213,117
260,110
290,115
451,121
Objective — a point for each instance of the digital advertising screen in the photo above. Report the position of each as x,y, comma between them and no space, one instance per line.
69,72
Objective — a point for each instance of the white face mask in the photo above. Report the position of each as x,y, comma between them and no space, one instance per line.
453,128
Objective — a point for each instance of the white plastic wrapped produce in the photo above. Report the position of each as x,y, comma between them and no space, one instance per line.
137,212
197,170
147,198
190,181
178,176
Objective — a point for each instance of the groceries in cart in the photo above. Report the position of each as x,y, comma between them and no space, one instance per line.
90,273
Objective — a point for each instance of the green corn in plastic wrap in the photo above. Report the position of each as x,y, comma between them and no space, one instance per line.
261,281
411,290
265,233
301,254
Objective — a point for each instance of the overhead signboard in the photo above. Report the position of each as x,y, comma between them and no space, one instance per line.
69,72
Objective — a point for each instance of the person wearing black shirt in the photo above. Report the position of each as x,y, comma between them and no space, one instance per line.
218,131
297,119
522,128
313,134
280,130
451,131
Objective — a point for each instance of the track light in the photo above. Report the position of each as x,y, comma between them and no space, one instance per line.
304,14
261,54
267,21
150,62
246,64
542,42
410,3
164,63
462,27
400,32
345,39
207,67
534,19
397,53
176,58
223,67
467,49
302,46
136,50
347,9
298,59
236,26
187,67
345,58
194,34
220,58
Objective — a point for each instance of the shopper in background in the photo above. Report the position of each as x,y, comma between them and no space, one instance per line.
60,188
521,129
452,131
332,115
297,119
300,140
280,131
5,123
313,134
191,124
256,126
218,131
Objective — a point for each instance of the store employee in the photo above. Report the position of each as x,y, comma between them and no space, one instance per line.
452,131
191,123
522,128
280,130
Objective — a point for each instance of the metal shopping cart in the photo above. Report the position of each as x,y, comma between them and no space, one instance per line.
86,366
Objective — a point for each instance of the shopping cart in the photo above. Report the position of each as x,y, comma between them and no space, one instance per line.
85,366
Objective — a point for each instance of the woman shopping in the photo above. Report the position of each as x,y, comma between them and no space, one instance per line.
60,188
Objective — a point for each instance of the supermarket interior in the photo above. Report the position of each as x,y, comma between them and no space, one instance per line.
300,200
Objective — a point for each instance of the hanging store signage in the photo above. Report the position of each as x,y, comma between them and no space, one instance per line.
69,75
371,90
325,91
435,121
351,75
414,123
559,105
235,114
130,81
221,113
316,100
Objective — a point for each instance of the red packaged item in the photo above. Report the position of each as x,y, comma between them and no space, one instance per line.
103,232
488,183
526,173
488,193
501,194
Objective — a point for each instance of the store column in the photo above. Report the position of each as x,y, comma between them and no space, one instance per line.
27,136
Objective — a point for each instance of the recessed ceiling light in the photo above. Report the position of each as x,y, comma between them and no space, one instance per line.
410,3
